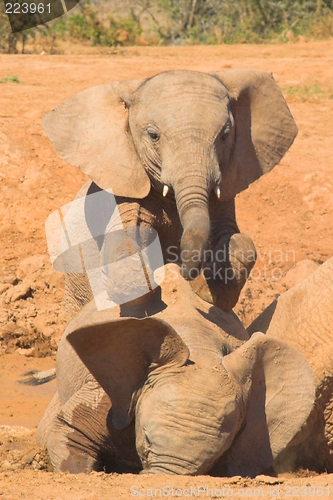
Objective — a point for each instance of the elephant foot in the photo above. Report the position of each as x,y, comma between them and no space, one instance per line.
221,281
223,295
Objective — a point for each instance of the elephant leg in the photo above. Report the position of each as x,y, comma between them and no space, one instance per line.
112,261
131,252
228,261
224,275
76,437
77,293
128,276
84,439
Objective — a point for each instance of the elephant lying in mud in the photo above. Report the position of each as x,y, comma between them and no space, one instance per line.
176,149
303,317
147,387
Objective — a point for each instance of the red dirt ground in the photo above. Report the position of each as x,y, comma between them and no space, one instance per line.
288,213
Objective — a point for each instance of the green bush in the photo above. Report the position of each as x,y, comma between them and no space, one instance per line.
11,79
79,26
111,32
238,21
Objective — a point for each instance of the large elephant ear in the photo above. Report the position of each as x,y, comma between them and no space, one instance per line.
279,393
120,352
265,128
89,130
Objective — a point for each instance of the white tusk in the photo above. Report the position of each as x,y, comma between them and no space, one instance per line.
217,192
165,190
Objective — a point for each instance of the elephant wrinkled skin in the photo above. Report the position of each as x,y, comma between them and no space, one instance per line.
176,149
303,317
143,388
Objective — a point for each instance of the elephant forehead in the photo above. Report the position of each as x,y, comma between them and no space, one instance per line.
176,406
196,110
172,84
200,385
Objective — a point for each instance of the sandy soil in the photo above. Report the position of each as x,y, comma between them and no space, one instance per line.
288,214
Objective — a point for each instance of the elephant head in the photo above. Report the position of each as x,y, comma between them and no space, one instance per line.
191,398
182,133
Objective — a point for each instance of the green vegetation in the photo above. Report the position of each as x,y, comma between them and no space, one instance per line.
88,26
242,21
314,91
10,79
177,22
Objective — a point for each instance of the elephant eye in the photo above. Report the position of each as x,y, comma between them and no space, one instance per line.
225,132
153,135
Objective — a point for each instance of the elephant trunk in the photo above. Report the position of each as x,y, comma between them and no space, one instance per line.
191,194
192,171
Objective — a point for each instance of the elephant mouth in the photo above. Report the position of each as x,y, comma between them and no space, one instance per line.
168,190
169,469
172,465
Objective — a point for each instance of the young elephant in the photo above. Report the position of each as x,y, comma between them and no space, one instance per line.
303,316
147,387
176,149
